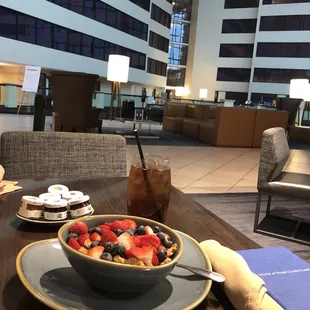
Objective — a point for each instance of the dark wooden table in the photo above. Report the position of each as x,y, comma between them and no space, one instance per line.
108,195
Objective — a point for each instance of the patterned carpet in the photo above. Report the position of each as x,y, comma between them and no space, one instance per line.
238,210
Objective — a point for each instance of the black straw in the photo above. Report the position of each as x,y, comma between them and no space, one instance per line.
148,185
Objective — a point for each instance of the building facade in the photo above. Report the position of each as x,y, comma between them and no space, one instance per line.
79,35
248,49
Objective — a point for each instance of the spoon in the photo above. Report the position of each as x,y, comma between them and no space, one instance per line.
214,276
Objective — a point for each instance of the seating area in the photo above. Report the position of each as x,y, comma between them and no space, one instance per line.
222,126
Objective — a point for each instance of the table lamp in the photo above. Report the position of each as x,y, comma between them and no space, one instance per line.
299,88
203,93
118,70
179,91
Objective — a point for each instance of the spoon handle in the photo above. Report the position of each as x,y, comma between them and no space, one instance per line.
214,276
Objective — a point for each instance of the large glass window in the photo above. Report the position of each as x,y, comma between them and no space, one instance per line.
26,28
232,95
60,38
233,74
285,23
87,45
156,67
182,10
144,4
283,1
239,26
292,50
236,50
159,42
176,76
160,16
106,14
8,22
74,42
234,4
178,54
44,33
283,76
179,32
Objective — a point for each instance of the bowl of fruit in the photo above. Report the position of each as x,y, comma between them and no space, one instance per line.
119,253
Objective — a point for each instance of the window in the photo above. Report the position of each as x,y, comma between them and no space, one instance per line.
160,16
8,22
236,50
159,42
232,95
179,32
178,54
234,4
233,74
44,33
26,28
29,29
292,50
283,76
285,23
176,76
261,97
156,67
239,26
283,1
144,4
182,10
106,14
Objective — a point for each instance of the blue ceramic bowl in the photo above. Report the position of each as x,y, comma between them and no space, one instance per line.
114,277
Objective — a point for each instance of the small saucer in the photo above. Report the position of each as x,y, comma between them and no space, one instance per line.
49,277
45,222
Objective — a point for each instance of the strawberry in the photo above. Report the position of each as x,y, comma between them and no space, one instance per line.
155,260
84,240
108,236
145,254
79,228
96,251
74,244
123,225
149,230
105,226
151,239
126,240
137,241
95,237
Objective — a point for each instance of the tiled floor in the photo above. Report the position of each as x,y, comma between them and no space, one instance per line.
196,168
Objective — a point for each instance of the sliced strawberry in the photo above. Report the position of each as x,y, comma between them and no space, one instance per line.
79,228
149,230
145,254
151,239
123,225
95,237
105,226
137,241
126,240
84,240
108,236
74,244
96,251
155,260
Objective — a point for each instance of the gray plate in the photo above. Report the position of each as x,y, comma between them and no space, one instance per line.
47,274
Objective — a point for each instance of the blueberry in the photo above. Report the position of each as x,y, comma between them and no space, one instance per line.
94,243
156,229
168,243
106,256
108,247
140,230
118,249
117,232
161,237
94,229
162,255
72,235
131,231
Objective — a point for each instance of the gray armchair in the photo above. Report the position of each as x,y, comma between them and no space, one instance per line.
272,180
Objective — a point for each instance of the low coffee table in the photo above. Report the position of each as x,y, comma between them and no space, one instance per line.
134,123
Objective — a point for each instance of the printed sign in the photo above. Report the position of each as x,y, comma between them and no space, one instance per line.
139,115
31,79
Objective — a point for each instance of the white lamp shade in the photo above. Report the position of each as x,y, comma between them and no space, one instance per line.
203,93
118,68
299,88
179,91
307,95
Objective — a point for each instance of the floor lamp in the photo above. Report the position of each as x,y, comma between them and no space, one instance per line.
118,69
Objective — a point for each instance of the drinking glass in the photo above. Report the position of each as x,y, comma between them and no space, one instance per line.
149,189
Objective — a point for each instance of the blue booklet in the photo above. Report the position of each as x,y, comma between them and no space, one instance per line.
286,275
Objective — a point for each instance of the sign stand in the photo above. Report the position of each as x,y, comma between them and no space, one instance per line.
31,82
